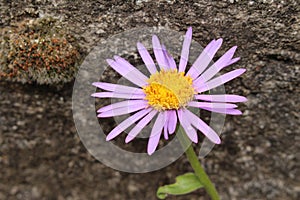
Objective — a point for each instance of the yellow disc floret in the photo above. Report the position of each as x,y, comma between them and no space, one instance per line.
169,89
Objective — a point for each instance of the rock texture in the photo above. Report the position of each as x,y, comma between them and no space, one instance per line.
41,156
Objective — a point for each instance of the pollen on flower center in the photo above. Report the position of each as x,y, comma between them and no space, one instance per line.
169,89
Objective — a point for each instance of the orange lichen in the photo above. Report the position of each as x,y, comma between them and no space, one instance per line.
38,50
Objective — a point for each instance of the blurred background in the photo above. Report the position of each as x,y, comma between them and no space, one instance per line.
41,155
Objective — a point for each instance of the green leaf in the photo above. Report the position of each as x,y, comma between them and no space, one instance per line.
184,184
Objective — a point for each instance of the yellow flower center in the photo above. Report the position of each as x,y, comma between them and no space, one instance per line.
169,90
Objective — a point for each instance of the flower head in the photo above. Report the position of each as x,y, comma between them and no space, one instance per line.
169,92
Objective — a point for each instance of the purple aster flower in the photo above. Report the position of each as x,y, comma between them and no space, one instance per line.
169,92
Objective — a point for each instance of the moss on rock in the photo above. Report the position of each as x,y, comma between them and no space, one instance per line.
39,51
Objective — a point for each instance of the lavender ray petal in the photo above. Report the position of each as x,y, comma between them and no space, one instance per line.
203,127
234,60
121,104
211,105
126,123
205,58
158,52
122,110
221,98
219,80
228,111
164,50
166,132
130,73
186,124
117,88
216,67
118,95
172,121
185,50
170,60
125,63
137,129
146,57
156,133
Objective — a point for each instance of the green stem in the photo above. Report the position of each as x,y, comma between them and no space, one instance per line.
199,171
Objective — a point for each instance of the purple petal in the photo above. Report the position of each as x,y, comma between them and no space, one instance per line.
126,123
156,133
211,105
172,121
121,104
216,67
128,71
122,110
233,61
164,50
139,75
118,95
137,129
205,58
147,58
219,80
117,88
166,134
185,50
221,98
186,124
171,64
158,52
169,59
224,111
203,127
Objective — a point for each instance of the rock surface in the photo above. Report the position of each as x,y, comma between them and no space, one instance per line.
41,156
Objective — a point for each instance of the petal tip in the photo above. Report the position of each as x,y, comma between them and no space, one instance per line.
235,60
239,113
243,99
218,141
243,70
116,57
139,45
219,41
110,61
150,152
151,149
195,140
108,138
128,139
189,31
97,84
234,48
154,37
